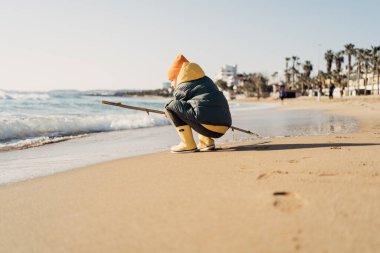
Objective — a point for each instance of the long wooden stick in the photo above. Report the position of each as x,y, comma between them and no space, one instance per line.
132,107
161,112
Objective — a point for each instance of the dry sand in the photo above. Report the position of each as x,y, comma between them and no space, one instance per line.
304,194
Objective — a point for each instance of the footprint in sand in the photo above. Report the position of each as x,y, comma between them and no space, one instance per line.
262,176
265,175
287,201
327,174
280,172
297,240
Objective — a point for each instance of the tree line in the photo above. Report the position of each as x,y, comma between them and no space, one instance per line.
346,68
360,63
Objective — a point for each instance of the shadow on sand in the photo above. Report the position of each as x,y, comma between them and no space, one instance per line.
265,146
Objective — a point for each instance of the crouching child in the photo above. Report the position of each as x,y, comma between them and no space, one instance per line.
197,104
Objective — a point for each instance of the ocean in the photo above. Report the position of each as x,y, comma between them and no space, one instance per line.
30,119
42,133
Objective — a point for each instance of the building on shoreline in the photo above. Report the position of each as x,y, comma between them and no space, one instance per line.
360,86
167,86
227,73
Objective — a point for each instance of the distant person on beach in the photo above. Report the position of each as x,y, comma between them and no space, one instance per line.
198,104
320,92
341,92
282,93
331,91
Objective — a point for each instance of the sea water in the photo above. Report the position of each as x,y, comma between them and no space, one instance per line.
83,131
29,119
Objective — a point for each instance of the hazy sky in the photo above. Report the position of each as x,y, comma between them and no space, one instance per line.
122,44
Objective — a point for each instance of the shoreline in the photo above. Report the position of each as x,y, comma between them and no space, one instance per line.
309,193
105,147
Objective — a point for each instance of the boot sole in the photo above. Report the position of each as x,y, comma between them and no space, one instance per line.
184,151
208,148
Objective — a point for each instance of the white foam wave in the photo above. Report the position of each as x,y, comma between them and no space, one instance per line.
34,142
23,128
15,95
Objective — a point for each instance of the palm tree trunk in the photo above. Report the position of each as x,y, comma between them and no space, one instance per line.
365,81
373,80
378,83
349,75
358,80
293,79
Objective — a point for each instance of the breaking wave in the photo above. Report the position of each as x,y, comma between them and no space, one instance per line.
18,95
22,132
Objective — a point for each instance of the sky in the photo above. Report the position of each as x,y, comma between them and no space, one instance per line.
125,44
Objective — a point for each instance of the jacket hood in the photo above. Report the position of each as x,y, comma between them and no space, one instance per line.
190,71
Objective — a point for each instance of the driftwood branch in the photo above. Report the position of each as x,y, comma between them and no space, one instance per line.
161,112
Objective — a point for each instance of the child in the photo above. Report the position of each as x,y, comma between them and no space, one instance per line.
198,104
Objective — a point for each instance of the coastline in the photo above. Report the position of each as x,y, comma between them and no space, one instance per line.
311,194
91,149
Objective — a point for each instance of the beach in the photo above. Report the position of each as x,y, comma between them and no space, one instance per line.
287,194
52,132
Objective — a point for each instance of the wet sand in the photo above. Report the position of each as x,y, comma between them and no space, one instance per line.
298,194
262,118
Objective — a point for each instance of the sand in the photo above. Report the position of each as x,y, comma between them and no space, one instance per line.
301,194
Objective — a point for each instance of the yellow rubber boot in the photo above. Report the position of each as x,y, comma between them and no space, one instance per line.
205,143
187,144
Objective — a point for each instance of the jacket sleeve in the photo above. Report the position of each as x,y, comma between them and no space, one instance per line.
179,95
182,93
181,104
182,108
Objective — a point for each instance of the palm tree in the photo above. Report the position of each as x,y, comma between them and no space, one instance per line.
359,55
255,83
287,59
294,69
367,65
260,82
378,74
374,61
249,85
321,78
349,50
329,56
307,68
339,59
287,74
287,77
275,77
